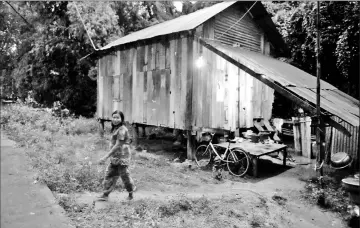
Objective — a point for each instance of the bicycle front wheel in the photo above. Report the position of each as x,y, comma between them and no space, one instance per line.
203,156
237,162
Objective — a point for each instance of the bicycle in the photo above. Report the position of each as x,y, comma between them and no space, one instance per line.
236,159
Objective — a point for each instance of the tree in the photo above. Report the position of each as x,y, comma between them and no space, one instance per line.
11,28
134,16
47,58
192,6
339,29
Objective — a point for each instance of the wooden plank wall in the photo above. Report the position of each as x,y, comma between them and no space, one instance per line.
149,83
226,97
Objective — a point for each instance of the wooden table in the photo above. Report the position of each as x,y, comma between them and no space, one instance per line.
256,150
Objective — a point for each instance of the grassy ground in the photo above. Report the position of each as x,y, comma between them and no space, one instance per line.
331,196
65,154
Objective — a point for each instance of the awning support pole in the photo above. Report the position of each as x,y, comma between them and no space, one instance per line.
320,126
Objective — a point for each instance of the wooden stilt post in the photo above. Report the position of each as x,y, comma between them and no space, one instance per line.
237,132
143,127
190,145
136,134
140,130
101,127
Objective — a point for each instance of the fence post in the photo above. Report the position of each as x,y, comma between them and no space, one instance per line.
297,136
305,130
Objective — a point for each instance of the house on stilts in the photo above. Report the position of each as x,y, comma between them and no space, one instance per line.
214,70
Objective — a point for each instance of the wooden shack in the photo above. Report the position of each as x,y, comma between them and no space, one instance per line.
155,81
213,69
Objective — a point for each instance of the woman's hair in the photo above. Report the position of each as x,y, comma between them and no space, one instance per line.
114,127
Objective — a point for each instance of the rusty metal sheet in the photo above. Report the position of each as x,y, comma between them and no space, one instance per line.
183,23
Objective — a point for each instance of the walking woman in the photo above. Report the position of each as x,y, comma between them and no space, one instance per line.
119,158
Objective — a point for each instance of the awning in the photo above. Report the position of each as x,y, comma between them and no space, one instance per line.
290,81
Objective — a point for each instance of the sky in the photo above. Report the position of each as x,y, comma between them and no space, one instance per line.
178,5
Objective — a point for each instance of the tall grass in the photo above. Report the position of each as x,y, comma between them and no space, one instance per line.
66,151
180,211
63,150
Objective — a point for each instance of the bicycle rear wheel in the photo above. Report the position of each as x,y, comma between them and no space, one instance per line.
237,162
203,156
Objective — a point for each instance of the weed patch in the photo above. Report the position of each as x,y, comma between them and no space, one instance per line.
180,211
279,199
60,149
65,151
333,197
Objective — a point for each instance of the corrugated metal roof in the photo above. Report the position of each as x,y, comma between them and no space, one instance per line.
179,24
301,83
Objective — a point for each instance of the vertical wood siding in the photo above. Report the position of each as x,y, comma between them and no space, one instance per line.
226,97
148,83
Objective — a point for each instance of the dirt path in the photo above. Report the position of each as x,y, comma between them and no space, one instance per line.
23,203
272,200
277,197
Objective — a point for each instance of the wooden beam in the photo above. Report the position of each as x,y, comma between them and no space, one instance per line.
272,84
336,125
211,130
101,127
135,134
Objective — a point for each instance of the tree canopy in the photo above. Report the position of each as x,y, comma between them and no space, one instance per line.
339,39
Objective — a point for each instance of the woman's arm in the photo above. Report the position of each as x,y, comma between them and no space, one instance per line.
112,150
111,145
128,139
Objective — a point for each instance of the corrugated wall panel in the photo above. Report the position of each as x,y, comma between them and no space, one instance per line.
244,32
342,143
137,85
107,69
183,76
108,102
177,71
197,96
172,57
